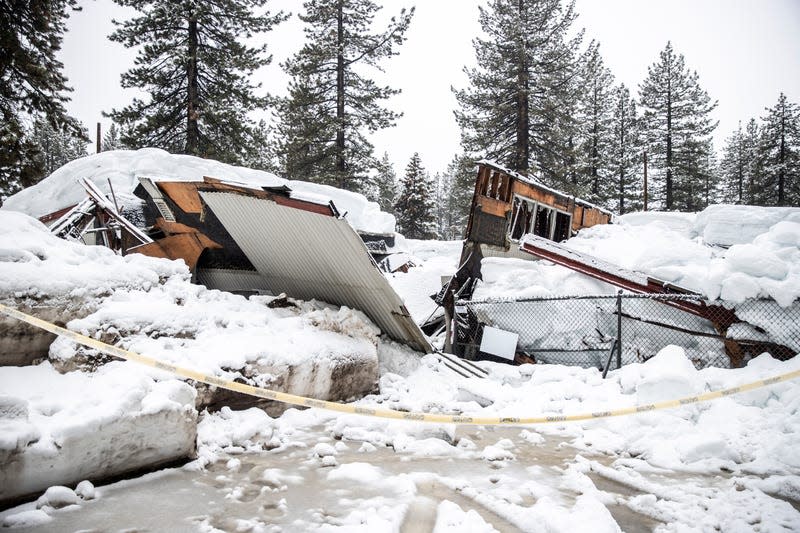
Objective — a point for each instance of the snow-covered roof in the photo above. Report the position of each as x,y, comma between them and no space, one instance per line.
122,168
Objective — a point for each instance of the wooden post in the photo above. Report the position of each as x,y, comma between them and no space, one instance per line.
645,180
98,138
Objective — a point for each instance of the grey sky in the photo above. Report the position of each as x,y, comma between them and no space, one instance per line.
745,51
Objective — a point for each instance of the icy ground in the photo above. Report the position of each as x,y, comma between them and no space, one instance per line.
729,465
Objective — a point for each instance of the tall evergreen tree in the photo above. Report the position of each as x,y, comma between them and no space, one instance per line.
626,150
332,104
32,85
195,65
516,109
461,175
677,116
596,117
262,152
111,139
383,185
55,148
779,151
755,170
414,208
734,168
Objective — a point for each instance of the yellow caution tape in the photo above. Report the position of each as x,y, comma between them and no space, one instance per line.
377,412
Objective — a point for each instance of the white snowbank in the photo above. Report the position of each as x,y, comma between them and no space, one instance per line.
35,264
150,306
763,260
62,428
122,168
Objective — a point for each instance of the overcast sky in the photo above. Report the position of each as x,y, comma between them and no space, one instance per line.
745,51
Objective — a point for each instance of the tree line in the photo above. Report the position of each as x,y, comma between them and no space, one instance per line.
539,100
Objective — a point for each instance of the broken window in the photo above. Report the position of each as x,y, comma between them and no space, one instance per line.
562,228
542,224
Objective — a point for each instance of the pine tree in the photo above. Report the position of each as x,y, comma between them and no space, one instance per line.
596,115
443,186
516,109
626,150
733,168
383,184
677,117
262,153
779,153
461,175
755,170
332,104
414,208
111,140
55,148
195,66
32,85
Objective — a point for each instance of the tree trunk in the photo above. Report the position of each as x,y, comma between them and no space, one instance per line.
193,107
340,162
595,150
782,159
668,199
522,144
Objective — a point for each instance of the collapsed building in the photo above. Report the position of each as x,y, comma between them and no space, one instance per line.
241,238
506,206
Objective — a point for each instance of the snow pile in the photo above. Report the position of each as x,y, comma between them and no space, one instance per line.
149,306
58,280
433,260
62,428
122,168
763,260
37,265
56,429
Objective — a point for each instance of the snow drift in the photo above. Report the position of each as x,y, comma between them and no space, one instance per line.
122,168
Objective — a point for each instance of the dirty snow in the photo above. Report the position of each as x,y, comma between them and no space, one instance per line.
122,168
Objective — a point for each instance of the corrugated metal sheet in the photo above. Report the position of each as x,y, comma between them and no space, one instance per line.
312,256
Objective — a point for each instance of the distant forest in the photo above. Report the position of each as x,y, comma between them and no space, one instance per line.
540,101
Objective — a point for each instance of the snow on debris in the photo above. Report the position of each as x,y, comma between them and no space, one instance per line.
122,168
763,260
151,307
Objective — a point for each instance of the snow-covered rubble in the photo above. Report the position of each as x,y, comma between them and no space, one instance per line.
762,261
58,281
122,168
148,305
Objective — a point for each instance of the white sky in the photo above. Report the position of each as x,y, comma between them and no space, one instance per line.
745,51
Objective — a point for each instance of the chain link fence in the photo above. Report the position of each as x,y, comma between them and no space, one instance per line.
613,330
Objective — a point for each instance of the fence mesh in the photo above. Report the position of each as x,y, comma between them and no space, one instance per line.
583,330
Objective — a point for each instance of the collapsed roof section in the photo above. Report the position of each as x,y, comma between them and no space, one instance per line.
245,238
721,318
309,253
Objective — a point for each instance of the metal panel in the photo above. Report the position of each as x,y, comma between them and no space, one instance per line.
312,256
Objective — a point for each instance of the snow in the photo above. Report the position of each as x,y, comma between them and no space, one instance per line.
122,168
762,262
729,465
65,427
